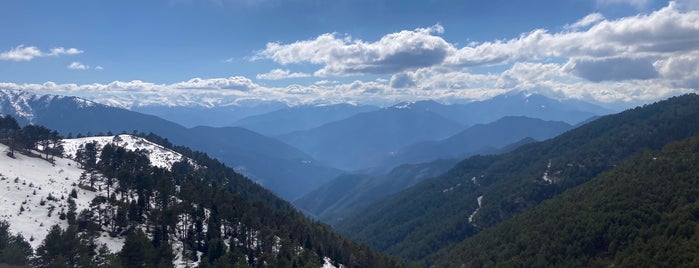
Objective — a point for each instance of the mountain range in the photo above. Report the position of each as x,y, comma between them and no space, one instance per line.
294,172
480,138
300,118
482,191
359,141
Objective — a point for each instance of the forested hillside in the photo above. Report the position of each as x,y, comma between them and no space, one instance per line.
642,213
198,210
482,191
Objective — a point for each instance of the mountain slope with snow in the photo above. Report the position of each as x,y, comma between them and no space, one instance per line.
34,191
158,155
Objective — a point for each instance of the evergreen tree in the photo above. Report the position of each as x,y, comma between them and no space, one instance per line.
137,251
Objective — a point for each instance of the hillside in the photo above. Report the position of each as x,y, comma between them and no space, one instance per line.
482,191
361,140
480,138
642,213
349,193
250,153
161,213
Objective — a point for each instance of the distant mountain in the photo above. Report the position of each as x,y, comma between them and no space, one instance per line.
531,105
152,205
284,169
359,141
217,116
298,118
349,193
482,191
512,104
642,213
478,138
272,163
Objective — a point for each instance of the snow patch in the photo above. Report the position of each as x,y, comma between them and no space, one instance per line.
159,156
480,202
546,177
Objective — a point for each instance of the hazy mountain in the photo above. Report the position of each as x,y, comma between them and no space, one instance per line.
530,105
641,213
284,169
155,205
359,141
349,193
512,104
300,118
482,191
478,138
217,116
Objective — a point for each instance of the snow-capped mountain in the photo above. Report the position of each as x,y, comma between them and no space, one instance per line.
24,105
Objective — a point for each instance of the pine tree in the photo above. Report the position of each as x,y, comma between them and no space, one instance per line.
137,251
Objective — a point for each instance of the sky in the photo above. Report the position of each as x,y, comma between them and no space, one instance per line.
221,52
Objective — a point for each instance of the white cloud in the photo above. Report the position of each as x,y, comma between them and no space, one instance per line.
21,53
99,68
661,32
78,66
233,83
278,74
27,53
64,51
342,56
586,21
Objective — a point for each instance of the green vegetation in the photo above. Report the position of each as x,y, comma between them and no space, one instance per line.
643,213
434,214
222,218
14,249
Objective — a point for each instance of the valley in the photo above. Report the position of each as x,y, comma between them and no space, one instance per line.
349,134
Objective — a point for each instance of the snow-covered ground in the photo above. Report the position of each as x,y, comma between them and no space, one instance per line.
159,156
480,202
25,181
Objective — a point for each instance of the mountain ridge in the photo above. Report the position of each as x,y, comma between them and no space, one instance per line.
71,115
430,215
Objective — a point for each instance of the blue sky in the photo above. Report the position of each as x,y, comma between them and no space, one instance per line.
314,51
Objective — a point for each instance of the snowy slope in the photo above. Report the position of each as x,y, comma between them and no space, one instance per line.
159,156
25,181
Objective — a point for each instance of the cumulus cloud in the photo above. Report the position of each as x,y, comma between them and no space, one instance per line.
78,66
232,83
612,69
665,31
27,53
278,74
342,56
402,80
